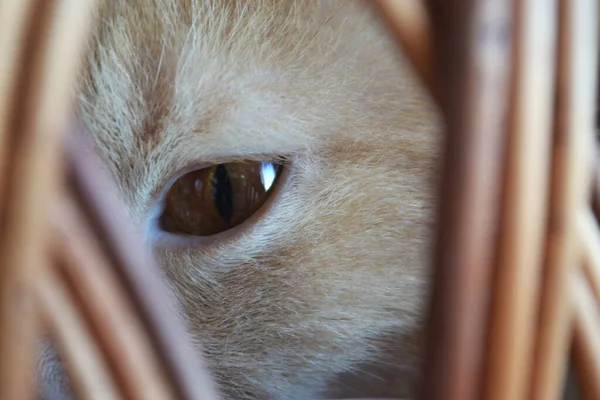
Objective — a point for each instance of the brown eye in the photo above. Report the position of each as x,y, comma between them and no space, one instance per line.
212,200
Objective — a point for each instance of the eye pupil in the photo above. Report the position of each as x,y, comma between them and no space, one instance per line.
212,200
222,192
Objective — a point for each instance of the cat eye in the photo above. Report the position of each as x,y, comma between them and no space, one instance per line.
215,199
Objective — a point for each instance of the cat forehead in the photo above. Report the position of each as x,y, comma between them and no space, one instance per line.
168,84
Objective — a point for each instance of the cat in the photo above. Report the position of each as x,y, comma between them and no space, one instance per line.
315,284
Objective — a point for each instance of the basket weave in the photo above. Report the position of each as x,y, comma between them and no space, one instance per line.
516,294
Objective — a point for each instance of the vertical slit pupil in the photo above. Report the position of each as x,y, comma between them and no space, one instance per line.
222,192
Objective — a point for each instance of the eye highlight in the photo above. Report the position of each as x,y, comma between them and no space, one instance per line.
215,199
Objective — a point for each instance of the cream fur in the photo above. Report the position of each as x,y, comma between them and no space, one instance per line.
322,294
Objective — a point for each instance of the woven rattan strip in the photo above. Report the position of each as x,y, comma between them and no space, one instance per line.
87,272
35,92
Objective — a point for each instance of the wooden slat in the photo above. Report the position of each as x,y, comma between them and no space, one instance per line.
574,150
139,274
15,18
586,338
17,318
524,205
90,377
473,49
41,98
595,181
589,235
118,328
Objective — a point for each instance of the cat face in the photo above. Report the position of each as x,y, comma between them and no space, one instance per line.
326,276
